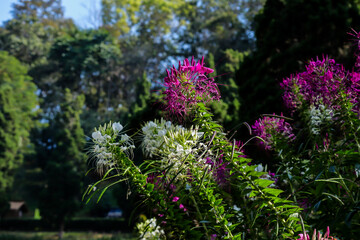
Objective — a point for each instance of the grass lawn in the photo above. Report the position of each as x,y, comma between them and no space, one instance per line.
7,235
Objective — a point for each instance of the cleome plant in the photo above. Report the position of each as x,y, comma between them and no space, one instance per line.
197,183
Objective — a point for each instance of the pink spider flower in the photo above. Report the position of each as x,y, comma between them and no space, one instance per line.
187,86
317,236
270,128
321,83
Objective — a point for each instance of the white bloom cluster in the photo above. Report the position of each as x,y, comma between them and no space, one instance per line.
172,143
104,139
149,230
318,116
153,132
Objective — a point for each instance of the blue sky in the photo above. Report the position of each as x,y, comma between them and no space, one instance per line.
79,10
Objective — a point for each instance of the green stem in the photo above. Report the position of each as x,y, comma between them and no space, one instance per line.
200,216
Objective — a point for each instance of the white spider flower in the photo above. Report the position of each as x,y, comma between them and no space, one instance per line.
259,168
106,142
168,124
97,136
170,144
149,230
125,138
318,116
117,127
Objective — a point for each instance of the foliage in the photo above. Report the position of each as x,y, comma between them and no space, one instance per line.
18,104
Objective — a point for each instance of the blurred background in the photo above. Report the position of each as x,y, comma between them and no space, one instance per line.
67,66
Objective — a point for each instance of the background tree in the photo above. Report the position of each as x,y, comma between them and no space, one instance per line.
34,26
214,26
18,104
65,163
145,31
89,62
48,12
227,109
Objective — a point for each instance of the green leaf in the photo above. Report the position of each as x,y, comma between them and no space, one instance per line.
263,182
221,210
217,202
150,187
334,196
273,191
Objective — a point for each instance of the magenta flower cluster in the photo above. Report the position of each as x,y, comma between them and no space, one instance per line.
323,83
187,86
319,84
269,128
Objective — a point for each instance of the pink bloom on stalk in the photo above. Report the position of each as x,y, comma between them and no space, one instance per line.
175,199
302,237
318,236
269,128
182,207
187,86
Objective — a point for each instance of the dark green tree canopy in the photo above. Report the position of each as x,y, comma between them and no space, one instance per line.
65,162
214,26
88,62
18,103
